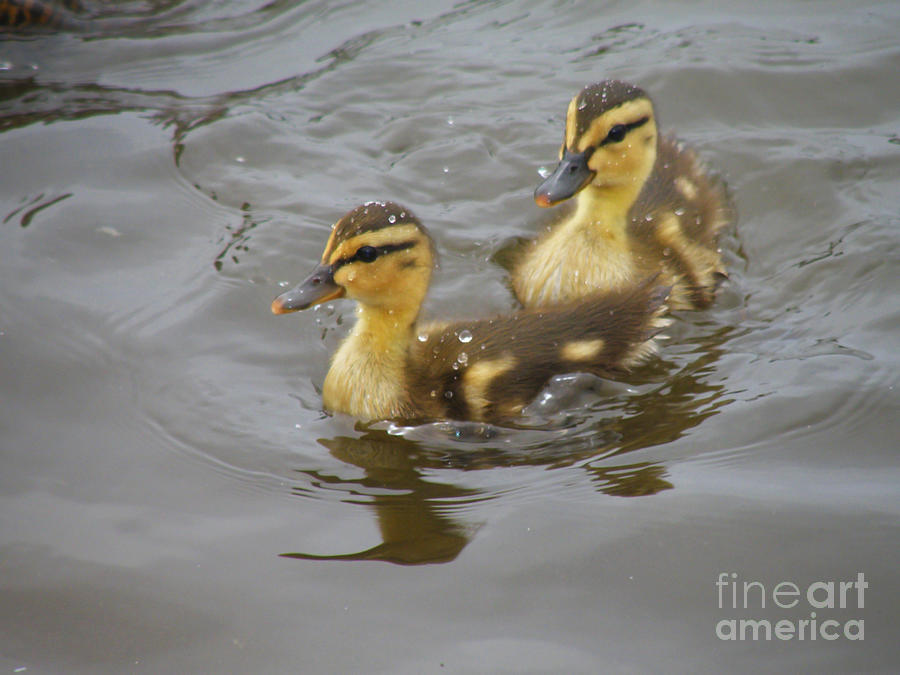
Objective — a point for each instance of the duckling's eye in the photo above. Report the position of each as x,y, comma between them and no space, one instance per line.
366,254
617,133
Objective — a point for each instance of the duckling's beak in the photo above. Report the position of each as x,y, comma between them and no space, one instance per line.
318,287
571,174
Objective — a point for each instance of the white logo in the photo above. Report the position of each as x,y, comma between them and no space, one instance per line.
786,595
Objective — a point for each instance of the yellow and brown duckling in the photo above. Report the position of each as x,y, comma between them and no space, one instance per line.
393,367
643,205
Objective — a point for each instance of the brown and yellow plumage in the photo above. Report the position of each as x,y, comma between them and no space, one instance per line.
27,13
391,366
643,205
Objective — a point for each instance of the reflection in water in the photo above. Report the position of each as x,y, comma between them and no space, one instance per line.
57,101
631,480
33,206
237,238
420,518
126,17
413,528
50,100
419,509
684,401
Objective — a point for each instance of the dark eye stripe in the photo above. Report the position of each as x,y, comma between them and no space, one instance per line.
626,128
379,251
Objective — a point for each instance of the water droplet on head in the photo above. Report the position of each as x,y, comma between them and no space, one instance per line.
679,211
465,335
392,218
463,358
448,394
422,337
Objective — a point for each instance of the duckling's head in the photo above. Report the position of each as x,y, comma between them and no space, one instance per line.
610,141
379,254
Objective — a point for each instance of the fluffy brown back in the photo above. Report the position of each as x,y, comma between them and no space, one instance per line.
490,369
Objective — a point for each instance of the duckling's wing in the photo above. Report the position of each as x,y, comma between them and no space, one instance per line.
678,218
683,185
492,368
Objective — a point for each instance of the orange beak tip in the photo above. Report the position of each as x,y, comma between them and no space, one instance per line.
542,200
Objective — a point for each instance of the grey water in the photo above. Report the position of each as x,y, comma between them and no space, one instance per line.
174,499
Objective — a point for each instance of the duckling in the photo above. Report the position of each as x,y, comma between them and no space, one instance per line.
644,205
391,366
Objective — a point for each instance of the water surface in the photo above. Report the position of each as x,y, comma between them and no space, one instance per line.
173,498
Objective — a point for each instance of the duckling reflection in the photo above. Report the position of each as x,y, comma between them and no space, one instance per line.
423,519
414,528
633,480
682,401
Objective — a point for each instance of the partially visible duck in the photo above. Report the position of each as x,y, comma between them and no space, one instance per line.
39,14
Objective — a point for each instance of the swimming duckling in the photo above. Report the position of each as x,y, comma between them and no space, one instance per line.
393,367
644,205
